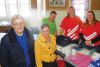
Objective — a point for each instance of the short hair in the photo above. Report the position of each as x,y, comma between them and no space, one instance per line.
16,17
44,26
53,12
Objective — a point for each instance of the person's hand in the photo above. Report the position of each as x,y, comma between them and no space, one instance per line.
58,33
59,57
88,42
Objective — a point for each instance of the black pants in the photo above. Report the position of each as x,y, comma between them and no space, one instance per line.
68,64
95,48
51,64
76,41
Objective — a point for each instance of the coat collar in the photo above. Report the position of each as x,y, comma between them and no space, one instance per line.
12,35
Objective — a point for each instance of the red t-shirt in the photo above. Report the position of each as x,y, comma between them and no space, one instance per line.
71,27
91,32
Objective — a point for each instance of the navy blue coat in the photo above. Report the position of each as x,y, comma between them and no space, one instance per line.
12,52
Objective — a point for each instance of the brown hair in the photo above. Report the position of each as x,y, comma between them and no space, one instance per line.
44,25
94,18
53,12
71,7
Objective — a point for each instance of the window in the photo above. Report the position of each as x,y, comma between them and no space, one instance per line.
81,7
2,8
9,8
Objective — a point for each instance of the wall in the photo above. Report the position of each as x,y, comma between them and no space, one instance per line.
97,13
95,8
62,14
35,19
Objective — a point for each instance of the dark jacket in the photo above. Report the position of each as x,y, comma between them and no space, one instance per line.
13,54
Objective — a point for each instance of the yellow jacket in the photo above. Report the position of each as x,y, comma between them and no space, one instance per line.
44,51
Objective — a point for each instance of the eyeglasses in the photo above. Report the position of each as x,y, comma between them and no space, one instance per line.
17,24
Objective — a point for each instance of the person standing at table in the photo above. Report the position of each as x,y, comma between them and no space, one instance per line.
51,22
70,25
18,45
91,32
45,47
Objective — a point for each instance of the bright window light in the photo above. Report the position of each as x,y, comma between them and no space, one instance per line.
24,10
2,11
2,1
81,7
13,10
24,1
12,1
9,8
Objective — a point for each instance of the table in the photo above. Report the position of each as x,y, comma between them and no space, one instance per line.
35,36
1,35
70,51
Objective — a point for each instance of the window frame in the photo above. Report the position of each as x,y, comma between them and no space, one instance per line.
18,6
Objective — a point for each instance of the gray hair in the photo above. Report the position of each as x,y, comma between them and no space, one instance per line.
16,17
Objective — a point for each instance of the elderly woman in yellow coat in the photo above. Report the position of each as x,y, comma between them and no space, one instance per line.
45,46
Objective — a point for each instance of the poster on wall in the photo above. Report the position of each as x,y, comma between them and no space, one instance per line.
57,4
95,5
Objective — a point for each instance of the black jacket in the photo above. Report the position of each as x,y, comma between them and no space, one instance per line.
13,54
96,39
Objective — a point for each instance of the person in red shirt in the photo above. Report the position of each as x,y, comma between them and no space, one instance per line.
91,32
70,25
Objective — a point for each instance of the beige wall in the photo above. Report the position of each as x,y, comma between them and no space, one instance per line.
35,20
62,14
97,13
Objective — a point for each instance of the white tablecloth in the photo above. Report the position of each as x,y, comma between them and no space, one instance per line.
1,35
68,50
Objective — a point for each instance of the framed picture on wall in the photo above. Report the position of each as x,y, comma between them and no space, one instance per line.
57,4
95,4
